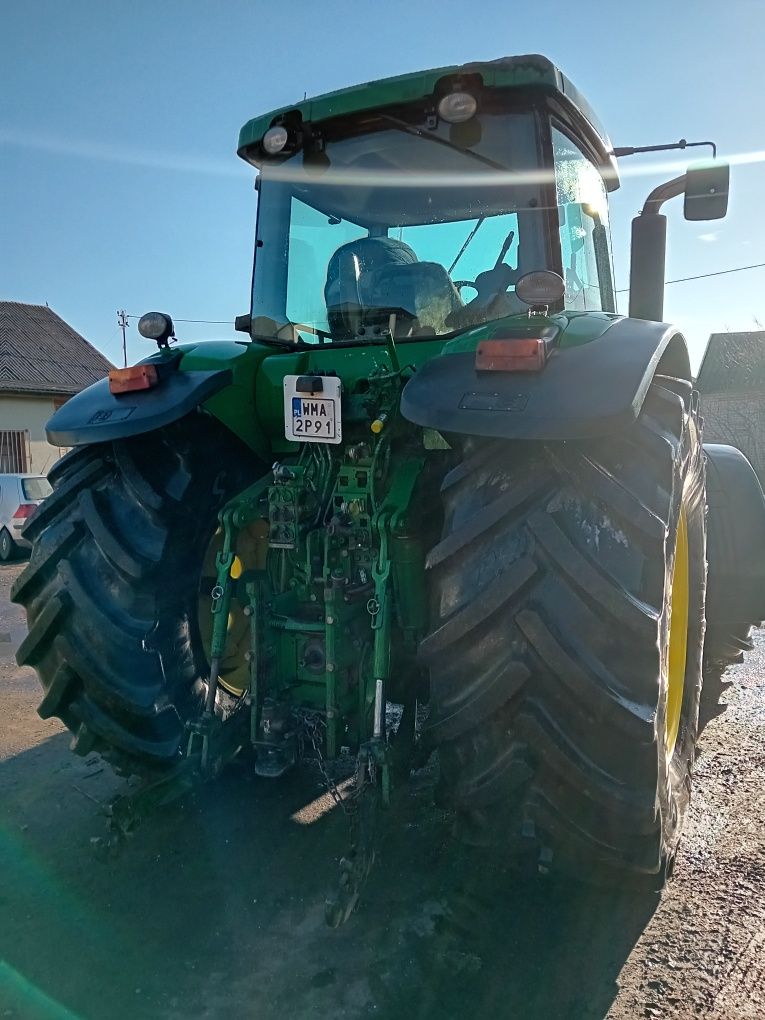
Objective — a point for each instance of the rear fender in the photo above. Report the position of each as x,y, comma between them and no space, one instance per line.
216,376
735,538
585,390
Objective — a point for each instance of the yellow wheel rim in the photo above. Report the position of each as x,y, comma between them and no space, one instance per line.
678,635
252,543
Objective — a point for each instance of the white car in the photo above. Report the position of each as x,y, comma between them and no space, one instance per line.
20,495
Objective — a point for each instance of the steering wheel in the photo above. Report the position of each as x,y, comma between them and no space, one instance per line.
490,286
492,282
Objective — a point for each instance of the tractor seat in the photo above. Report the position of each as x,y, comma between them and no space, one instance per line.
423,290
349,272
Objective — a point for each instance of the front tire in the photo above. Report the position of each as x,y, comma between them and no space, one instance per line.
111,588
564,702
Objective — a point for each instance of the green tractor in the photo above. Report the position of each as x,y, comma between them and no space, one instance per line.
440,497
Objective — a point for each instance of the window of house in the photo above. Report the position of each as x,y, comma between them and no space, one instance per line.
14,451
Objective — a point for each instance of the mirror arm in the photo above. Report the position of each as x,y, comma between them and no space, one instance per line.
660,194
634,150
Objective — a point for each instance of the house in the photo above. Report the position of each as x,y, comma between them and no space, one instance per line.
731,382
43,362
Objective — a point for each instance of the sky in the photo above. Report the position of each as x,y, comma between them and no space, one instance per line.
120,187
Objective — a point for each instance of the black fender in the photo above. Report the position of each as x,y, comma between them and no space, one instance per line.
96,415
583,391
735,539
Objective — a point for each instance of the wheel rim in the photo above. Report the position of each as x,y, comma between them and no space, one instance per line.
678,635
234,668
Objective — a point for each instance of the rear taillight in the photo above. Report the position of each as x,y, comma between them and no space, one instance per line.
511,355
24,510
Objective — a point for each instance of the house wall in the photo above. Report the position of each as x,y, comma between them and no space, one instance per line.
739,420
30,414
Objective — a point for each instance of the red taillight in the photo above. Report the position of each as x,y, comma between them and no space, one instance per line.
511,355
24,510
129,380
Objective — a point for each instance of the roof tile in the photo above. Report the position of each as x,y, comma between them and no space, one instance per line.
40,353
733,363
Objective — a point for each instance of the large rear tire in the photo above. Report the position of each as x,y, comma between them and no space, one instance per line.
564,702
111,588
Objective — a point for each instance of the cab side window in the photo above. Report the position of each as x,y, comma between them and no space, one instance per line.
584,230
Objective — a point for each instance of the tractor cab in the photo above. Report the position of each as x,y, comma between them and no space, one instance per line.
416,205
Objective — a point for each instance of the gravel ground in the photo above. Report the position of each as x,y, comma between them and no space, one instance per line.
215,909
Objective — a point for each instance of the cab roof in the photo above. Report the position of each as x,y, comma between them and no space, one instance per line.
522,72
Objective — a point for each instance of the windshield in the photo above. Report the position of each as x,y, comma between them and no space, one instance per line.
401,229
36,488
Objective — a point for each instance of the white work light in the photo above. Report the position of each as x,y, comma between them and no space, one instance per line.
540,287
275,139
457,107
155,326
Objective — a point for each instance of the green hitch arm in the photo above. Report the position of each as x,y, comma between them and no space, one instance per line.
330,622
252,609
221,602
381,655
381,627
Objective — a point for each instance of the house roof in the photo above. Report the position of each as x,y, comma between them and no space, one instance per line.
733,363
40,353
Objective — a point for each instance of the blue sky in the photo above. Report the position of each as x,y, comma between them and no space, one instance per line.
120,186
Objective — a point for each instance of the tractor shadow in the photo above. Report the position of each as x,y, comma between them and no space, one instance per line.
216,908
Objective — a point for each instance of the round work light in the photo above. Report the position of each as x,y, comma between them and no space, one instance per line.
155,326
542,287
275,139
457,107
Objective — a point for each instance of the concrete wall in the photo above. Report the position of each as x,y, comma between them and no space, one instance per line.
737,419
31,414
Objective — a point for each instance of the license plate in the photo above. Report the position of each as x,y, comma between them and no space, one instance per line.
312,415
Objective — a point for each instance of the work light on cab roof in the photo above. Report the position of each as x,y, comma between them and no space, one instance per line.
457,107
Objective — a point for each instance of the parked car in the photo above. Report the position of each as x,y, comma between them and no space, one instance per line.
20,495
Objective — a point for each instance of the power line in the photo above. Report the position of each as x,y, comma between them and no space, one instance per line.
211,322
704,276
720,272
621,290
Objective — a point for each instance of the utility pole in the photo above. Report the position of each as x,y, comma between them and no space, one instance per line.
122,322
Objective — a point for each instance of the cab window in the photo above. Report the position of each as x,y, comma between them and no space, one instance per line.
584,229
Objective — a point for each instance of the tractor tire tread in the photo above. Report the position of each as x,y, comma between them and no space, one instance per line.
106,591
536,569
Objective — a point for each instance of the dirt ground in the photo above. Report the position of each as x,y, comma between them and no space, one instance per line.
215,909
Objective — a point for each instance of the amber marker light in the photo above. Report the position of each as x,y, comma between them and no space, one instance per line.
511,355
133,379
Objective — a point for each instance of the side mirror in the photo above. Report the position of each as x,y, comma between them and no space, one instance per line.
706,191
